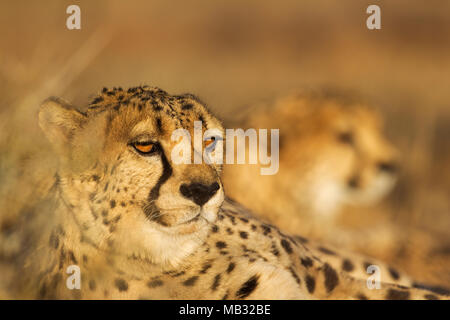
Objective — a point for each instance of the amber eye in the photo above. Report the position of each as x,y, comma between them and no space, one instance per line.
209,141
145,147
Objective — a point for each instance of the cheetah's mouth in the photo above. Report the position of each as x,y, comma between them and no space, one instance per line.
194,219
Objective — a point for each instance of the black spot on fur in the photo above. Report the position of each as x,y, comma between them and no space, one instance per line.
397,295
361,296
206,267
243,235
366,265
225,297
431,297
191,281
231,267
301,239
187,106
347,265
221,244
294,274
275,250
97,100
112,204
394,273
243,220
247,287
215,229
216,282
310,283
155,283
232,219
176,274
286,246
266,229
306,262
327,251
92,285
331,277
121,284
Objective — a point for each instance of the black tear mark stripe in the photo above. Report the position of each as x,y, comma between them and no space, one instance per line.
167,173
154,193
247,287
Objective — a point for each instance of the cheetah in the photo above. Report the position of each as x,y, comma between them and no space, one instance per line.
139,226
334,164
332,153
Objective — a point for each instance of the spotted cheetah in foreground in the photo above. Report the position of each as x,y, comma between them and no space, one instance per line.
140,226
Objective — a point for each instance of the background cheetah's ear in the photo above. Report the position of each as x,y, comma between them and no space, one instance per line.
59,120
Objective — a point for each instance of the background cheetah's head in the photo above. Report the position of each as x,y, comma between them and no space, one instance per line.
116,164
332,152
338,148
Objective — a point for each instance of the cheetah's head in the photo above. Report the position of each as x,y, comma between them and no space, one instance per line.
349,158
332,152
117,174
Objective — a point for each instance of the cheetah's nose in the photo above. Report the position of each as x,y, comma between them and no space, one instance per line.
198,192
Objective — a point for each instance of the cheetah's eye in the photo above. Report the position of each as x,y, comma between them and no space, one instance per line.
209,141
145,147
346,137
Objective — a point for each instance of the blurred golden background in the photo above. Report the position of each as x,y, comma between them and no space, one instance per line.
233,53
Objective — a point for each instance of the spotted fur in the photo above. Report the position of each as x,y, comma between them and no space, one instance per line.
123,218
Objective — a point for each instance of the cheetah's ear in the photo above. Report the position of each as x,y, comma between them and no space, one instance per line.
59,120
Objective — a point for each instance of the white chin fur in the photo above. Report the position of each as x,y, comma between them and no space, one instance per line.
373,193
